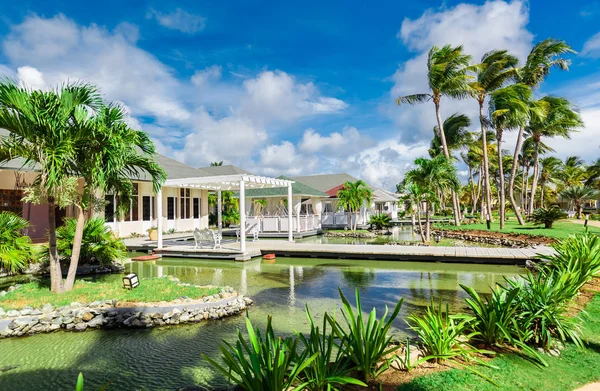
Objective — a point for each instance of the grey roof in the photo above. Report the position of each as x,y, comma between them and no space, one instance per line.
381,195
223,170
325,182
298,188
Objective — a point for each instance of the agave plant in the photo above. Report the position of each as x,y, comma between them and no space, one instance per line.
271,363
380,221
330,367
366,343
548,216
16,249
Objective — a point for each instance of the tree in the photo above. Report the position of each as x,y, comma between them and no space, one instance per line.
496,68
447,75
16,249
457,135
430,177
593,174
577,195
560,120
509,109
574,172
544,56
215,164
352,196
40,126
549,173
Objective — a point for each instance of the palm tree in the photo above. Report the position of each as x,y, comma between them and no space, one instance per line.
447,75
352,196
457,135
40,131
593,174
216,164
573,171
577,195
16,249
543,56
108,156
549,173
496,68
560,120
431,177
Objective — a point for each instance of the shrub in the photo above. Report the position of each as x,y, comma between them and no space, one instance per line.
380,221
548,216
16,249
366,343
98,244
330,367
271,363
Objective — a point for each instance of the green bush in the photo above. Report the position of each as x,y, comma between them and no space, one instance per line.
271,363
366,343
16,250
380,221
548,216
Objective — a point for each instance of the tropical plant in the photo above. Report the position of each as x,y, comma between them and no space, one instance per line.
550,168
352,196
330,368
98,245
367,343
456,129
16,250
544,56
447,75
268,363
380,221
577,195
496,68
548,216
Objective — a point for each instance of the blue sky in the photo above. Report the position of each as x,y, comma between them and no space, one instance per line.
290,88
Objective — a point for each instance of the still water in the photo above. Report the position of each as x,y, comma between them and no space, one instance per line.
170,357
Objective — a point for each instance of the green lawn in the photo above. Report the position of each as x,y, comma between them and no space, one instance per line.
561,229
36,294
572,369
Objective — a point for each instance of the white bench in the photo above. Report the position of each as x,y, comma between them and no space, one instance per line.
207,237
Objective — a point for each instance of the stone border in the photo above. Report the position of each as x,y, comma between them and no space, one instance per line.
351,234
487,238
105,315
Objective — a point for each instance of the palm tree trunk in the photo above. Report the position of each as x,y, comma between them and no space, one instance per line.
486,163
56,283
525,188
479,191
542,190
472,183
427,222
536,173
421,233
501,190
77,239
455,204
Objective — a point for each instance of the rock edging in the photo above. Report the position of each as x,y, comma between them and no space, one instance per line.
351,234
106,315
493,238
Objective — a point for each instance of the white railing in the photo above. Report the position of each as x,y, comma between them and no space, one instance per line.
341,219
280,223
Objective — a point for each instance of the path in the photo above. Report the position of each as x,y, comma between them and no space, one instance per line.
593,223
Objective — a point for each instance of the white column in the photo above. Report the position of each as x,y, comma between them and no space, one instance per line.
219,213
242,216
297,208
159,219
289,201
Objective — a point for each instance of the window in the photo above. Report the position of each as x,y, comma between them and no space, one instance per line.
133,213
147,208
196,207
10,201
109,208
185,204
171,208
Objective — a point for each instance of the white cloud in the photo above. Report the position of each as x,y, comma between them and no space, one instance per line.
31,78
180,20
591,47
209,74
277,159
347,142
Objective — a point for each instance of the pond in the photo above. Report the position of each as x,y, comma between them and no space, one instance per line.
170,357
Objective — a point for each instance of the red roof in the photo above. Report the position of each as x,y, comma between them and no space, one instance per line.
333,192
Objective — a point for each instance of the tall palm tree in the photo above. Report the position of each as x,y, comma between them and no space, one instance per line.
549,173
109,154
447,75
560,120
40,131
353,195
544,56
456,129
431,177
577,195
495,70
573,171
508,110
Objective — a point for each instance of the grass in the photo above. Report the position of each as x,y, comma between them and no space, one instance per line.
560,230
572,369
36,294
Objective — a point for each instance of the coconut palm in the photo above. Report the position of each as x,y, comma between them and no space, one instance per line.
40,126
544,56
560,120
577,195
447,75
509,109
495,70
432,177
457,136
16,249
549,173
573,171
593,174
352,196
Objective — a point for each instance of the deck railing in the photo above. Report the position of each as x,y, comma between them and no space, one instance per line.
280,223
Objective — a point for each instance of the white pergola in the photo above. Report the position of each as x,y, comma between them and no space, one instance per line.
239,182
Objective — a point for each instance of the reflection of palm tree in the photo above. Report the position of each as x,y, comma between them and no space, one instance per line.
358,277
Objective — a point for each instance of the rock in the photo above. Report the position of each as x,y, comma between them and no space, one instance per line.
96,322
53,327
47,308
75,305
70,326
13,313
167,315
184,318
248,301
26,311
81,326
36,312
67,320
87,316
58,321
